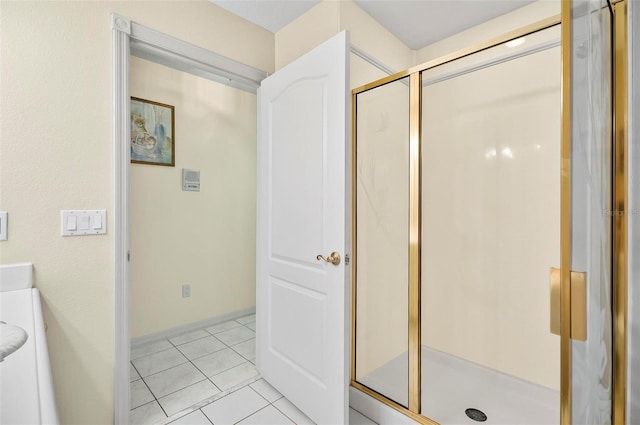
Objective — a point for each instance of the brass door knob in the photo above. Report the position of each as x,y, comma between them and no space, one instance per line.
334,258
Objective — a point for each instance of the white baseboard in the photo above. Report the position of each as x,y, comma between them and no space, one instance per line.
173,332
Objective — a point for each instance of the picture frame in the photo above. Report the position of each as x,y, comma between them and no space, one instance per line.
152,133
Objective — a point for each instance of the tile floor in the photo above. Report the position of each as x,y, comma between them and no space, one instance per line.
208,376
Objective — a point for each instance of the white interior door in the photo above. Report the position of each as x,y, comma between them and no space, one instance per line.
302,302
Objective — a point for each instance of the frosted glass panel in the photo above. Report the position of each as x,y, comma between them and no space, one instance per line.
382,210
490,233
591,205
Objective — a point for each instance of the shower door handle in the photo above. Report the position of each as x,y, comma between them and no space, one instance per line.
334,258
578,304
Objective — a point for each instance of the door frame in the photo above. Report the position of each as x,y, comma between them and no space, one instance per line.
620,203
414,307
128,37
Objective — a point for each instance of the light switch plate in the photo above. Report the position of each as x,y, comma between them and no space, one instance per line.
3,225
83,222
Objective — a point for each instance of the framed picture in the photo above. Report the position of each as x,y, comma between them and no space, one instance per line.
152,133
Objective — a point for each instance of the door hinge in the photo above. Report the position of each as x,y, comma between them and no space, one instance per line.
129,256
346,259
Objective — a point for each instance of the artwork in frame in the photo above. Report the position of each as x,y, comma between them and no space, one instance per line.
152,133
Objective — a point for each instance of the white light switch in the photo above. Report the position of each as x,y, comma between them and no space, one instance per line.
83,222
3,225
96,222
72,222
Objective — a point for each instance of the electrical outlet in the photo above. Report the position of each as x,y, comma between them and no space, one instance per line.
186,290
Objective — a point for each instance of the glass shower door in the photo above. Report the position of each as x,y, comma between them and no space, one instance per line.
590,229
382,228
490,232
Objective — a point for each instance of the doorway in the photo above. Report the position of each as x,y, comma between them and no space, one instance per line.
286,411
192,278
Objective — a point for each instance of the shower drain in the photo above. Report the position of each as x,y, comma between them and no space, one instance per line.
476,415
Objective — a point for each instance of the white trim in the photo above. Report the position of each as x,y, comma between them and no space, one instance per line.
348,147
384,68
194,326
153,45
492,62
121,27
370,59
129,37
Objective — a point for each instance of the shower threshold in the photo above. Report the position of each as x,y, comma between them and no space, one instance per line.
451,385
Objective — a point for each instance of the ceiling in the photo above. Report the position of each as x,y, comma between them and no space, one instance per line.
416,23
272,15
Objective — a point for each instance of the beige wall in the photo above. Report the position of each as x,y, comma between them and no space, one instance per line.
382,226
368,35
382,314
306,32
56,153
511,21
206,238
485,295
488,247
330,17
378,324
491,207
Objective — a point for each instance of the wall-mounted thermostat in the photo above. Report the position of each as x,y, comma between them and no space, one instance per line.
190,180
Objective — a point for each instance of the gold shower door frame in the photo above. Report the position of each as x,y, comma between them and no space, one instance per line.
619,183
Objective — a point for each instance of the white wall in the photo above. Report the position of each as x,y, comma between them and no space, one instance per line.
56,153
206,238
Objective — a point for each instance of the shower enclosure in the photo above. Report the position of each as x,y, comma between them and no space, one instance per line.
471,194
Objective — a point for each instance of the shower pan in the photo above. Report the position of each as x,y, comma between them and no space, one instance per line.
486,271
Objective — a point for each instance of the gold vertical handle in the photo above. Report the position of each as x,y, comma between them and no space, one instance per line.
554,301
578,304
334,258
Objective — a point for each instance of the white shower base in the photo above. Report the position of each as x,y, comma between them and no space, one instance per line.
451,385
